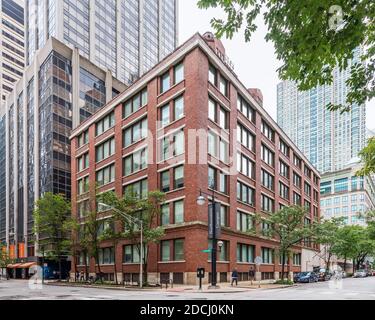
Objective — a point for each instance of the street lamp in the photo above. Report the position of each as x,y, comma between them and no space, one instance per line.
133,220
201,200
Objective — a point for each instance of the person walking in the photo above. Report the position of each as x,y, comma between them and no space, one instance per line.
251,274
234,277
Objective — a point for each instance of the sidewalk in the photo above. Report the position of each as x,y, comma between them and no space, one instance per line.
222,287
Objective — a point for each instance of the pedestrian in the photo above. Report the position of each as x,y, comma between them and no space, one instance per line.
77,276
251,274
234,276
82,278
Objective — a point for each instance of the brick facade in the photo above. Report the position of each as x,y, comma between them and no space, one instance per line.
197,54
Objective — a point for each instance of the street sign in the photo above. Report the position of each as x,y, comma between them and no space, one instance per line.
258,260
207,250
210,221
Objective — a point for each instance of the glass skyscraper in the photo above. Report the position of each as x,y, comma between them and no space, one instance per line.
328,139
127,37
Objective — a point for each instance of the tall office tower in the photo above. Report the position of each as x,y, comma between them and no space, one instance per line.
328,139
12,49
126,36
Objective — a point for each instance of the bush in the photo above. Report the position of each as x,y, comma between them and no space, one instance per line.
285,281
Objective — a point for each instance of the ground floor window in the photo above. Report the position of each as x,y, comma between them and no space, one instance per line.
268,275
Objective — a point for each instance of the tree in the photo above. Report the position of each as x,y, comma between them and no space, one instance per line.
364,246
288,226
51,213
71,227
311,38
367,155
326,235
146,210
5,259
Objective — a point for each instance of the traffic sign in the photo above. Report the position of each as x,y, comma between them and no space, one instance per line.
207,250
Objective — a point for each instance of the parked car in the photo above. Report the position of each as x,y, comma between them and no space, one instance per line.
361,273
307,277
369,272
296,276
324,275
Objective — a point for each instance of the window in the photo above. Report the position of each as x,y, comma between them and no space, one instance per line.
178,252
316,195
223,252
284,191
268,156
223,151
178,177
83,185
172,145
297,259
341,185
245,193
164,115
105,150
245,137
104,124
135,162
267,131
137,189
354,197
83,138
268,204
217,180
83,162
218,114
245,221
307,189
218,147
267,255
106,255
297,181
245,253
245,108
285,150
135,132
178,211
284,169
223,86
131,253
307,171
135,103
297,161
296,199
266,228
164,181
336,200
178,108
224,215
212,75
178,73
83,208
267,180
165,214
325,187
165,82
105,175
307,205
245,165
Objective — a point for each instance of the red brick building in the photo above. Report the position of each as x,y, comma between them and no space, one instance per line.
194,110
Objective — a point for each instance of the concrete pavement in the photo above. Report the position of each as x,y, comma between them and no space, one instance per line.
348,289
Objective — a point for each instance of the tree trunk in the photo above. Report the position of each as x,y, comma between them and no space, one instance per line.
86,267
345,263
99,270
282,267
114,260
353,266
60,268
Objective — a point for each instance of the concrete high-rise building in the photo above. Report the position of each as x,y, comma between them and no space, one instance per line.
126,36
328,139
66,80
12,45
343,194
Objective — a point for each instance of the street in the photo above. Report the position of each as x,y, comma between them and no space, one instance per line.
349,289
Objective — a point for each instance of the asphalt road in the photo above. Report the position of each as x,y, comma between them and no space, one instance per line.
348,289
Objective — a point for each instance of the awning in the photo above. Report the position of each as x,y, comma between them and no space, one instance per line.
27,265
14,266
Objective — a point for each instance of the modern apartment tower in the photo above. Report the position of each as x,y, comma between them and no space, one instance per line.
127,37
328,139
76,51
189,126
12,45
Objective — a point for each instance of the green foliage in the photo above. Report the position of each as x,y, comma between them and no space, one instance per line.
310,38
367,155
4,257
285,281
51,216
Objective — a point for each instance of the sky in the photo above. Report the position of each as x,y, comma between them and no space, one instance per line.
254,62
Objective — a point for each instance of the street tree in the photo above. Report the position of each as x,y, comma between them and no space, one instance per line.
326,235
51,213
145,210
5,258
310,38
289,228
367,155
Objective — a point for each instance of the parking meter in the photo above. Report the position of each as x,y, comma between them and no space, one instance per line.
200,275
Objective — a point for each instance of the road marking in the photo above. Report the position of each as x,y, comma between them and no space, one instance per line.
351,294
327,292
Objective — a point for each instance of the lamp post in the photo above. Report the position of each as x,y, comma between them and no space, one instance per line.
42,264
137,221
201,200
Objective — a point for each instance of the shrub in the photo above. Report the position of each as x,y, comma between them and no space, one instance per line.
285,281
